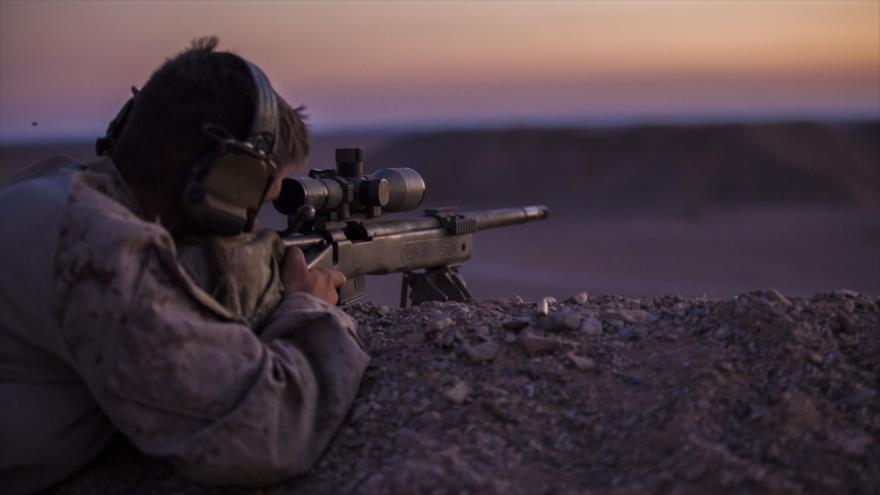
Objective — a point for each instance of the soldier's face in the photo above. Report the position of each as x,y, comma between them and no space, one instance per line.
275,187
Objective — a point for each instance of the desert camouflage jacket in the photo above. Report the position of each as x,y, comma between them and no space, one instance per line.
102,329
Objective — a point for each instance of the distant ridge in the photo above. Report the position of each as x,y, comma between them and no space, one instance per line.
650,167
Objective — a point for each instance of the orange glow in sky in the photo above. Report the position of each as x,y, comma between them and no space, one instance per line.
69,65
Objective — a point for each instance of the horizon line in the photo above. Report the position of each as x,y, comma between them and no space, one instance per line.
608,122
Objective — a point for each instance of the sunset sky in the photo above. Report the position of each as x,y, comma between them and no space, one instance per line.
68,66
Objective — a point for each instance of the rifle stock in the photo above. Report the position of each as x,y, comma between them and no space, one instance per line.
437,243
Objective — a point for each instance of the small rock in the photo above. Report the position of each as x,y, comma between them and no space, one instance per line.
516,324
628,315
413,340
862,395
364,333
845,323
481,331
641,332
579,298
458,392
359,412
630,380
777,297
447,339
722,332
441,324
498,410
383,310
591,326
764,307
422,405
815,358
534,344
581,362
542,307
845,293
854,443
564,321
574,420
482,352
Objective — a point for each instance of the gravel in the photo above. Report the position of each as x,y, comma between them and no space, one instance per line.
760,393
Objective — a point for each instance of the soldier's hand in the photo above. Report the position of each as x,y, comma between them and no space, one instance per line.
319,282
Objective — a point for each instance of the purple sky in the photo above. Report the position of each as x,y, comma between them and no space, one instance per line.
68,66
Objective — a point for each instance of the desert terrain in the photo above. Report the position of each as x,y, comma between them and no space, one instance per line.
710,210
760,393
699,314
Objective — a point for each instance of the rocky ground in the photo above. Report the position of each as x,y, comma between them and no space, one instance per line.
755,394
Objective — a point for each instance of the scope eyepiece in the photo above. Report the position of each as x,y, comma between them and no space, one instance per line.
321,194
341,193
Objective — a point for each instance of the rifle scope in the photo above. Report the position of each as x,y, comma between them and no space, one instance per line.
346,191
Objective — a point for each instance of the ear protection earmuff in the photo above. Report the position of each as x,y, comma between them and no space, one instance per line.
225,186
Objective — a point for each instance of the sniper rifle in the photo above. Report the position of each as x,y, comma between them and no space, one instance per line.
336,218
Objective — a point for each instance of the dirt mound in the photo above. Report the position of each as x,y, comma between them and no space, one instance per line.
759,393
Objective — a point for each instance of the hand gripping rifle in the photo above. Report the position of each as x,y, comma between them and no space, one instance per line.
335,217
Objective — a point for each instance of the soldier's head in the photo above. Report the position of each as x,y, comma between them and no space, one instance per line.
192,103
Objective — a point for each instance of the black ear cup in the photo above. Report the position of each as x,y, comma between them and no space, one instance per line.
228,189
224,188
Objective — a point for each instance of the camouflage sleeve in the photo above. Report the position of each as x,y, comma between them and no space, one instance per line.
182,379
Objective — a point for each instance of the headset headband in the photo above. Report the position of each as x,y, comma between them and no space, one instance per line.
264,129
223,188
263,134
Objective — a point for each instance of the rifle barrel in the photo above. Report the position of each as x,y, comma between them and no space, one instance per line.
485,219
489,219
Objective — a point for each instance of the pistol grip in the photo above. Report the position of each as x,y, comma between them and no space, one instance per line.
354,287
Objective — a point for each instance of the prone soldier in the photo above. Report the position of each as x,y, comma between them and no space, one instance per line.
137,298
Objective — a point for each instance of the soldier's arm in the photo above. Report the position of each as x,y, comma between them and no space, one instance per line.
182,380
